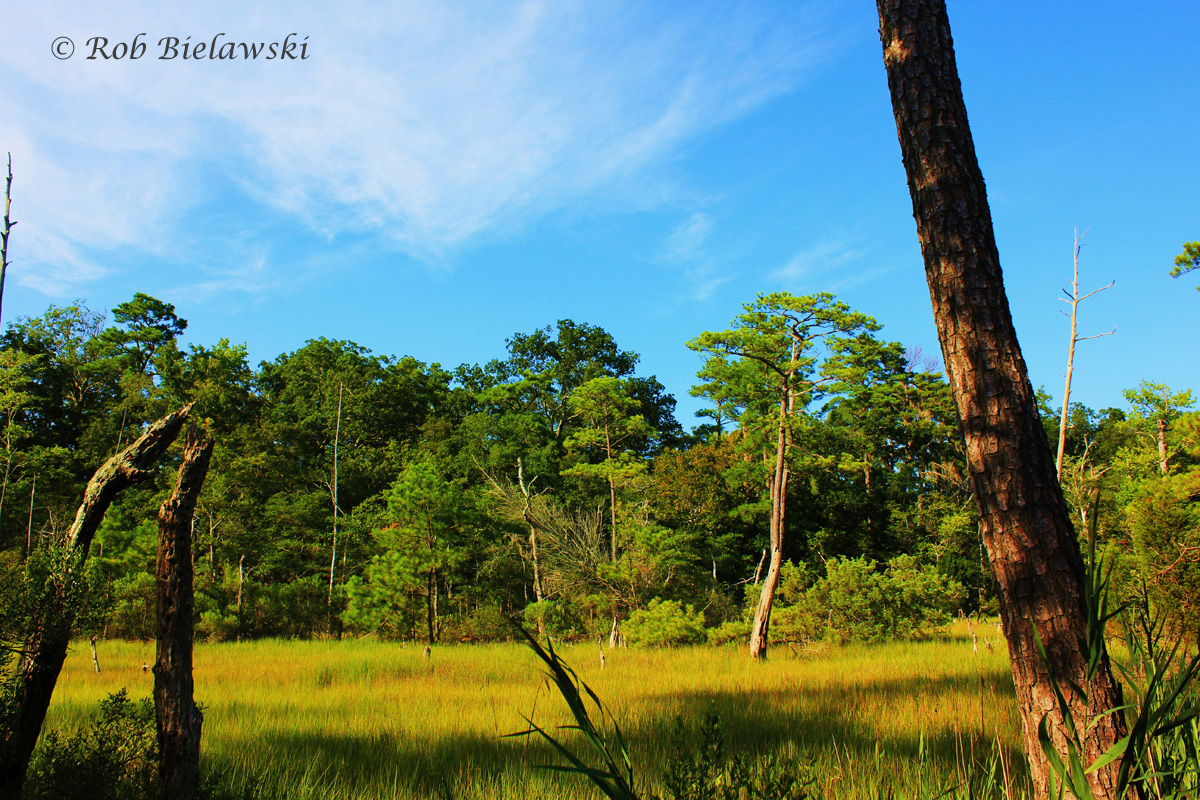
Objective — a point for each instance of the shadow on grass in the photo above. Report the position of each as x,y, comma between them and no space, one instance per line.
754,724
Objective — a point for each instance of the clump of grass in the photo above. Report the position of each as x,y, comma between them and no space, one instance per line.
704,770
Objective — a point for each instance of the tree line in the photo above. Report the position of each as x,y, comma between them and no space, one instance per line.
352,493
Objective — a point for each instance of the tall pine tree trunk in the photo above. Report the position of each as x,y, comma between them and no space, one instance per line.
1023,518
178,719
47,646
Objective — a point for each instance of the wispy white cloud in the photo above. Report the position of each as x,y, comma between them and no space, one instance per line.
685,249
687,240
251,276
429,122
830,265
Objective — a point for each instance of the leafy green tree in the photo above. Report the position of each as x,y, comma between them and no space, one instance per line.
424,545
148,327
610,426
897,423
337,423
703,491
767,366
524,401
77,382
16,370
1155,403
68,428
1164,520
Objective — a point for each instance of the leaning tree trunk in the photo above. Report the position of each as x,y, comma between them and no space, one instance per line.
1024,520
761,630
178,719
47,645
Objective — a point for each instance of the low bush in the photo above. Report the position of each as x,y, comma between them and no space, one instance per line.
664,623
115,757
903,601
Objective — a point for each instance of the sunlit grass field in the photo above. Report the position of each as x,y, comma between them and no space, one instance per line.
368,719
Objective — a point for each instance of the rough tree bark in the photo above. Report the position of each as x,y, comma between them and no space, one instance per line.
178,719
43,656
1024,520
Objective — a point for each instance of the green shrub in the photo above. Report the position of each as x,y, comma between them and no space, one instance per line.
215,626
1164,518
556,617
664,623
901,602
115,757
488,624
736,631
794,617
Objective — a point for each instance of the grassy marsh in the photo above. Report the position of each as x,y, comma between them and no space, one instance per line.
367,719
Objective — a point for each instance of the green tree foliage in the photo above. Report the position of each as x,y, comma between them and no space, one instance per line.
16,372
609,431
523,403
1160,407
1188,260
901,601
1164,520
148,329
705,491
767,369
423,546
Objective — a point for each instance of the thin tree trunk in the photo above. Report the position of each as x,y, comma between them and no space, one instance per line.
47,646
1162,446
337,434
178,719
241,585
430,608
29,528
6,230
1074,300
612,493
437,620
612,499
760,632
758,569
8,460
527,513
1024,520
1062,419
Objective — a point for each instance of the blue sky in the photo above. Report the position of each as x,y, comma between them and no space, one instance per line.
439,175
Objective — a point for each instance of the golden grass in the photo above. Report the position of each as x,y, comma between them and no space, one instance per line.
367,719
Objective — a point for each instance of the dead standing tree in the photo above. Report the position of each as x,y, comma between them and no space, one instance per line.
178,719
46,648
1024,519
6,229
1073,299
